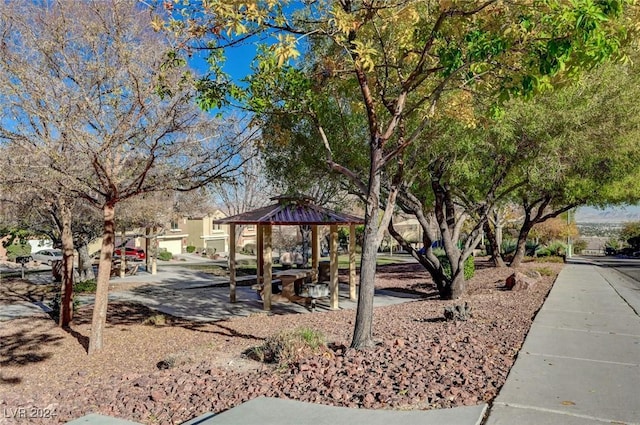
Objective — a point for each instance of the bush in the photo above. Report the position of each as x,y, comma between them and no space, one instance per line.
155,320
191,249
18,250
557,248
288,346
543,252
85,286
469,265
165,255
549,259
545,271
579,246
508,246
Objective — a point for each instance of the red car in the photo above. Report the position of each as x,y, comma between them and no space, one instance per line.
131,253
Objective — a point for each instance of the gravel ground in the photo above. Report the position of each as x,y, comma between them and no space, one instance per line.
173,371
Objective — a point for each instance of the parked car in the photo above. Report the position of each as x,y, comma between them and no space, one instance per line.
47,256
136,254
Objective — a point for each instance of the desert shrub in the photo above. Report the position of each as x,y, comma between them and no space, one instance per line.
545,271
191,249
18,250
508,246
579,246
174,360
469,265
155,320
531,248
165,255
557,248
289,346
543,252
85,286
549,259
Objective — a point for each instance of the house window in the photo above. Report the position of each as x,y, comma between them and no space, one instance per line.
174,225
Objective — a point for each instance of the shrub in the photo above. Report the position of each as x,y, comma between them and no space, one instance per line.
86,286
508,246
543,252
165,255
469,265
545,271
557,248
549,259
289,346
155,320
191,249
18,250
579,246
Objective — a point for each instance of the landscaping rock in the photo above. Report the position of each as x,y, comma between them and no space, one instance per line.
519,282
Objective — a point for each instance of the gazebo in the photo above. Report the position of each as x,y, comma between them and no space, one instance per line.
293,211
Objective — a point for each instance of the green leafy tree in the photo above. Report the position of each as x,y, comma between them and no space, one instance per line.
391,64
629,231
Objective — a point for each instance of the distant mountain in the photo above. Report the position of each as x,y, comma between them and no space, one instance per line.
607,215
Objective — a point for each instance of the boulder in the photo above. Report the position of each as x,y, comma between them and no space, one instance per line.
534,274
519,282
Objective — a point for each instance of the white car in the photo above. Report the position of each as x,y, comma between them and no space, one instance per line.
48,256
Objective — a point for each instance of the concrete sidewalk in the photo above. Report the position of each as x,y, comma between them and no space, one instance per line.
580,363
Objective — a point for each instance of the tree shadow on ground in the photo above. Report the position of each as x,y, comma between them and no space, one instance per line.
125,313
22,348
219,328
82,339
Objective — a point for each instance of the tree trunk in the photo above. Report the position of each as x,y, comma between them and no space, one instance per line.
85,268
99,318
458,283
521,245
362,334
66,296
494,247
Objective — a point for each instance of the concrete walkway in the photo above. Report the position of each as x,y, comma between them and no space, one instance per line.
580,363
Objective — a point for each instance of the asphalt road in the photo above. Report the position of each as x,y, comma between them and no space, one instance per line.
627,266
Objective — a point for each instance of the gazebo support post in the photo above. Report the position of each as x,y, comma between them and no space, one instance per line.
315,252
333,282
267,264
259,254
232,263
352,262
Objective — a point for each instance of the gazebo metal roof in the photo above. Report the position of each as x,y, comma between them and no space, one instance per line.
290,210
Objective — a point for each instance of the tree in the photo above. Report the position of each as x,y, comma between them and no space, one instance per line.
587,152
92,102
250,189
630,230
391,64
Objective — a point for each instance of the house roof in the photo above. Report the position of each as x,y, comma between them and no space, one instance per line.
291,210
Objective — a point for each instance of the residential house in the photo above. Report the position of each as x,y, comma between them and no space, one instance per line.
205,235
